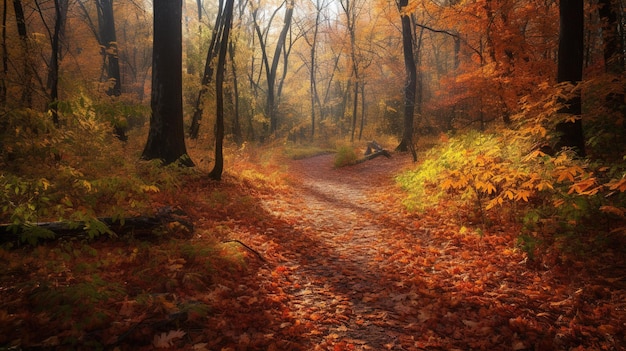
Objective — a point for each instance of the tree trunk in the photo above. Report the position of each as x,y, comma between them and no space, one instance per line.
312,69
613,50
207,74
218,167
362,110
237,135
355,105
271,74
613,46
349,9
108,41
166,137
27,91
406,143
324,111
5,57
60,11
570,69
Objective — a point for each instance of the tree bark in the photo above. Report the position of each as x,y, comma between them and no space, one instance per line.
613,51
570,69
5,56
218,167
108,42
60,11
613,47
362,111
166,137
406,143
27,91
207,75
312,69
271,74
349,9
237,135
355,105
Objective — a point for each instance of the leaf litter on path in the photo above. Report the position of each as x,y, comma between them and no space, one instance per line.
347,268
360,273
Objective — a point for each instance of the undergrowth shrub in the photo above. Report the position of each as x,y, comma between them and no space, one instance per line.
345,156
73,172
560,201
77,305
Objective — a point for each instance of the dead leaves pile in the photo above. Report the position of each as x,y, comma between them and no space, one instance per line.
347,269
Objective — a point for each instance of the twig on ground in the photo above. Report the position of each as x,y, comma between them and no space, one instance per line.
247,247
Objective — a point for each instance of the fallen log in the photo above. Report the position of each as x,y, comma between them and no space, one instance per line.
374,155
165,221
374,150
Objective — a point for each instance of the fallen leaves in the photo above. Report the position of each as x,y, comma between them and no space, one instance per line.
347,269
165,340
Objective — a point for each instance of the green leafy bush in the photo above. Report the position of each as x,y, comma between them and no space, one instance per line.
557,200
345,156
77,171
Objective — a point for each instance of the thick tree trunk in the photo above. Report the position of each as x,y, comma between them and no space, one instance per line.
570,69
406,143
166,138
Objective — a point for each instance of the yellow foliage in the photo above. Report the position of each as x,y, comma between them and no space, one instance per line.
149,188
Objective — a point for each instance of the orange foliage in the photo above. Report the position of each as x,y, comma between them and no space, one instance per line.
347,269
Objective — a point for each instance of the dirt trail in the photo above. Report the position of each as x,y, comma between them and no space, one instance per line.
349,269
341,279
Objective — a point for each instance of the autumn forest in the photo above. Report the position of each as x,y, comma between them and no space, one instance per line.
313,175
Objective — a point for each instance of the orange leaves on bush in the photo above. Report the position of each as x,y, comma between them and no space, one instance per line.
569,172
618,211
585,187
617,184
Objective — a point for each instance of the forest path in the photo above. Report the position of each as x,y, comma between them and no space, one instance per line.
344,283
348,268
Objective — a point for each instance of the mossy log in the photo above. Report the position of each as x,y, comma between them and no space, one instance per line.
165,222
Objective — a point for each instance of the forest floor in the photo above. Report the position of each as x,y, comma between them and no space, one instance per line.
327,260
349,269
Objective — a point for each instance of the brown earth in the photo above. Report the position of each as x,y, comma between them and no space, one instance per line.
349,269
329,259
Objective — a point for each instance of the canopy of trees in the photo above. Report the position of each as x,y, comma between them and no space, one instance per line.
475,62
469,63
